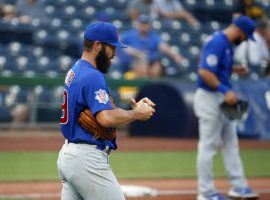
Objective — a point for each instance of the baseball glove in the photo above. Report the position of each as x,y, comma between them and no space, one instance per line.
235,111
89,123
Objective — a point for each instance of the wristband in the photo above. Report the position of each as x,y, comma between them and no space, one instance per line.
223,88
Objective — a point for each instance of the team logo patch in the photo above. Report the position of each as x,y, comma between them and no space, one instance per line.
102,96
212,60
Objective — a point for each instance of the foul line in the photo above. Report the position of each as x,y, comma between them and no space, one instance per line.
31,196
158,193
191,192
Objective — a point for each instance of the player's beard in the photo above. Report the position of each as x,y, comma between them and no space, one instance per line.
102,61
237,41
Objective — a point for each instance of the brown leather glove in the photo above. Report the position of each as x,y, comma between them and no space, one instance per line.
89,123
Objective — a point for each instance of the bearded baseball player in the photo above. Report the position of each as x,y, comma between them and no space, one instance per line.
89,118
215,129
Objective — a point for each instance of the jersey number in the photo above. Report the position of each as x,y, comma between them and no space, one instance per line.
64,107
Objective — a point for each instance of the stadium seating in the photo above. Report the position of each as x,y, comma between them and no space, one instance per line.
65,27
48,104
51,46
5,114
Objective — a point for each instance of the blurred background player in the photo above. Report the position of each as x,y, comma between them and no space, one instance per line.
252,53
215,130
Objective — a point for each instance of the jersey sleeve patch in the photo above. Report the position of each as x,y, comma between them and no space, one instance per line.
102,96
211,60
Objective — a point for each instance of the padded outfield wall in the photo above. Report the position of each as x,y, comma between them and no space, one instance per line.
174,98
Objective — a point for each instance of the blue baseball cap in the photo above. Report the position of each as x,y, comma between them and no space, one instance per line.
103,32
246,24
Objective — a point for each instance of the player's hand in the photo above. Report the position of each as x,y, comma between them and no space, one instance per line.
144,111
241,70
133,103
146,100
230,98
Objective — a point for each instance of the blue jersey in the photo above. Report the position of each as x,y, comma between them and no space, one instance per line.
85,87
217,57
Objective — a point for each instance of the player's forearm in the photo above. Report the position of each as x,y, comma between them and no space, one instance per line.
115,117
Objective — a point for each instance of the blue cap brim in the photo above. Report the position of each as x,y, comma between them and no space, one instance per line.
251,37
118,44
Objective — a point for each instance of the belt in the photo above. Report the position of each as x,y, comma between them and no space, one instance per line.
103,148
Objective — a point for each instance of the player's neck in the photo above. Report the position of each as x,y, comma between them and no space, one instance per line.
230,33
89,57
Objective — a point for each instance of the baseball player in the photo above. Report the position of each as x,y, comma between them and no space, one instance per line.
215,130
83,160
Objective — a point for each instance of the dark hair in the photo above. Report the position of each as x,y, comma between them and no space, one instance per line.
87,45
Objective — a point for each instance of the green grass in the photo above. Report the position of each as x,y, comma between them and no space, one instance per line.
154,165
40,166
183,164
24,166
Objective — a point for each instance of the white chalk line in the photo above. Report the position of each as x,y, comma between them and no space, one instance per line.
31,196
191,192
158,193
176,192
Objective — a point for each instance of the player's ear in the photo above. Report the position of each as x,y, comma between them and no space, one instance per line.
97,46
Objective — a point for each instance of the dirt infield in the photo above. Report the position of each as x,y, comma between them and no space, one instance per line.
180,189
52,140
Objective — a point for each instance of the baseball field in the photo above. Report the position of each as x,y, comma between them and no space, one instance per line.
147,168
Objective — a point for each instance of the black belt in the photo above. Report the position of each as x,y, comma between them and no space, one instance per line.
104,148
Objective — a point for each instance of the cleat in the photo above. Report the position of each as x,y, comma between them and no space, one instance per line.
215,196
242,194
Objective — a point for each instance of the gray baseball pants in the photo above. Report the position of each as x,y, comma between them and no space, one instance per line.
86,174
216,132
